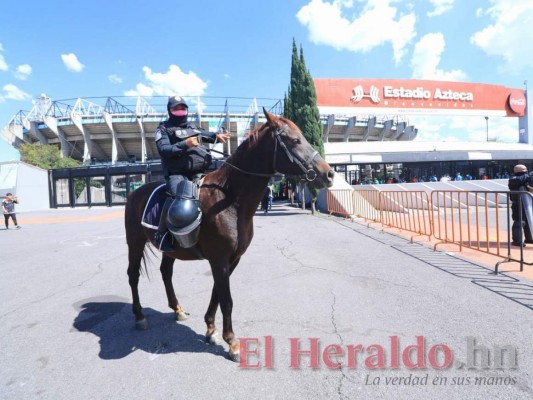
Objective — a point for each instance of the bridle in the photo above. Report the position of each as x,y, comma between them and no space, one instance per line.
304,165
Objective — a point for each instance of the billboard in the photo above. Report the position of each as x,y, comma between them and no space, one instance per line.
417,97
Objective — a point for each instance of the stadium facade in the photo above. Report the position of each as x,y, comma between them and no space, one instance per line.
120,129
409,160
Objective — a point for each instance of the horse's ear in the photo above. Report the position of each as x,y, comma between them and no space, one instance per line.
271,118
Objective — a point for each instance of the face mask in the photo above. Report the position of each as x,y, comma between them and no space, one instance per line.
179,113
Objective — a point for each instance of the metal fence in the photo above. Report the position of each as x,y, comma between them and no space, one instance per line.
407,211
477,220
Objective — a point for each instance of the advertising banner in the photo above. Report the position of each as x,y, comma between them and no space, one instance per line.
417,97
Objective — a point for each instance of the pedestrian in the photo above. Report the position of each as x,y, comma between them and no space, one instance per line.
265,200
182,157
521,207
270,196
8,208
458,177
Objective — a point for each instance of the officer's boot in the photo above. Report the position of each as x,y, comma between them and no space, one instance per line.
163,238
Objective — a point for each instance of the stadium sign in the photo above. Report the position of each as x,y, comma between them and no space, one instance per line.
421,93
415,97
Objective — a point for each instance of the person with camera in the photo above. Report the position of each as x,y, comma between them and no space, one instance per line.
8,208
521,207
182,156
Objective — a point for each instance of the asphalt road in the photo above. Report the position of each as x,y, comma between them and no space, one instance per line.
357,296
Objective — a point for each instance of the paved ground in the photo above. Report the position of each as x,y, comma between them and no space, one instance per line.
67,328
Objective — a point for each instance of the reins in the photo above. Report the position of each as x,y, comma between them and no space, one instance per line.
237,168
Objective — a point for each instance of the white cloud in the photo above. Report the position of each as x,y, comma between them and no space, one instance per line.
465,129
510,36
3,64
174,81
503,129
113,78
433,129
23,72
440,7
11,92
426,59
336,24
71,62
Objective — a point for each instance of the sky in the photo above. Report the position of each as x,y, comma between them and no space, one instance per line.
242,48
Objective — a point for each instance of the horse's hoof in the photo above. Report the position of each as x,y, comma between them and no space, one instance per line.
213,339
182,316
141,325
235,357
180,313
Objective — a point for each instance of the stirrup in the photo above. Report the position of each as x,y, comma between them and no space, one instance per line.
163,242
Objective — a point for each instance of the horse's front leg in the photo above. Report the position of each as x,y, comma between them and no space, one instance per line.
167,269
221,294
211,336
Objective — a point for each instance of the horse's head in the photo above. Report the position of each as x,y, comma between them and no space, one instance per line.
293,155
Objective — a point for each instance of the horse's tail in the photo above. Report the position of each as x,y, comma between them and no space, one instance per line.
145,260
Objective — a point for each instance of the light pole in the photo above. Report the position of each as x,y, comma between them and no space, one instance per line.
487,124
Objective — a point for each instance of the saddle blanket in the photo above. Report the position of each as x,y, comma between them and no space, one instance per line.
154,207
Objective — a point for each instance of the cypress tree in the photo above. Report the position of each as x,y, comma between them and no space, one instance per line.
300,101
300,105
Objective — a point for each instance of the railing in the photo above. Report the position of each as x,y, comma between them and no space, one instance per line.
340,203
367,205
477,220
465,218
407,211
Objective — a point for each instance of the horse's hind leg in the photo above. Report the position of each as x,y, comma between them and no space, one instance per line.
167,268
135,256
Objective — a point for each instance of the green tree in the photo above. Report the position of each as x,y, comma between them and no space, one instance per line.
45,156
300,107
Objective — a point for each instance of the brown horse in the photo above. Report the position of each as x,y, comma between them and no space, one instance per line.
229,198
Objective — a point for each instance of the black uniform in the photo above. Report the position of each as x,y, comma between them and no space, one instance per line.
177,159
519,182
180,164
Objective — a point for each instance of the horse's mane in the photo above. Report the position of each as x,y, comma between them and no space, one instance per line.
254,136
254,139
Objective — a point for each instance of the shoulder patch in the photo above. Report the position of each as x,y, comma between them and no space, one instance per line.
157,135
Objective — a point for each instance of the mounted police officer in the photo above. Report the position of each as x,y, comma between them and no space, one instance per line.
182,157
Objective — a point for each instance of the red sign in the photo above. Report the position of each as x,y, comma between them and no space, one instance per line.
517,102
384,96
